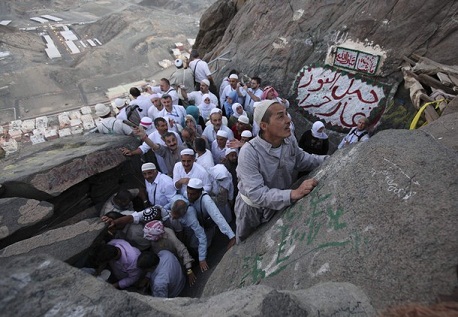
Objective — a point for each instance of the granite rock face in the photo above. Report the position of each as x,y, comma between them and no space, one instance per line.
16,213
54,167
65,243
52,288
383,217
274,40
44,185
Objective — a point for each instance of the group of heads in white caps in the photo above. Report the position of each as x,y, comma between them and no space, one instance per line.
204,150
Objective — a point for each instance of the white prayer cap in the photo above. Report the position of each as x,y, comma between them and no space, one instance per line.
101,110
120,102
205,82
229,151
153,96
233,76
148,167
244,119
261,109
146,122
247,134
187,152
178,63
195,183
222,134
215,110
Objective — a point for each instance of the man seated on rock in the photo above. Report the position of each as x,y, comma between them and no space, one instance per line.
356,134
159,187
122,259
267,168
185,224
199,94
164,273
219,146
122,201
216,124
163,238
108,124
207,212
187,169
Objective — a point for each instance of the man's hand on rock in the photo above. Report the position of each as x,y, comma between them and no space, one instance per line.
304,189
108,221
126,151
230,244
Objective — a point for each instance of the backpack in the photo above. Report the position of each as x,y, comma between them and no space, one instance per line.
133,114
358,136
204,219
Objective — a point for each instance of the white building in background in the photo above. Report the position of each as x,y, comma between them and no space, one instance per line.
91,43
51,17
51,48
69,35
72,46
39,20
98,42
5,22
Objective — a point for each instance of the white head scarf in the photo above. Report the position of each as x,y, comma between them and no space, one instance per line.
234,109
315,127
205,109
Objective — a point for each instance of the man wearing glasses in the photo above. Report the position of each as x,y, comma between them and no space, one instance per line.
252,93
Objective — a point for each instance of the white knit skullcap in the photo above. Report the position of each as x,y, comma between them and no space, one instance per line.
261,109
187,152
148,167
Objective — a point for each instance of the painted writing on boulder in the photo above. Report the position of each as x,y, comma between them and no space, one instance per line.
336,98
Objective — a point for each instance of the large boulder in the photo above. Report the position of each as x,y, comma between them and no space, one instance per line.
70,174
43,286
67,243
274,40
384,217
53,167
17,213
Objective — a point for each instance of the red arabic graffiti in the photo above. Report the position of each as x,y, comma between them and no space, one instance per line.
336,98
359,61
346,58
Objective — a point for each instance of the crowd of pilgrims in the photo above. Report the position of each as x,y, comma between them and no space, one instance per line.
191,132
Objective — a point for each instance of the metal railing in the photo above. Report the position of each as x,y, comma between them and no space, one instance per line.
217,61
